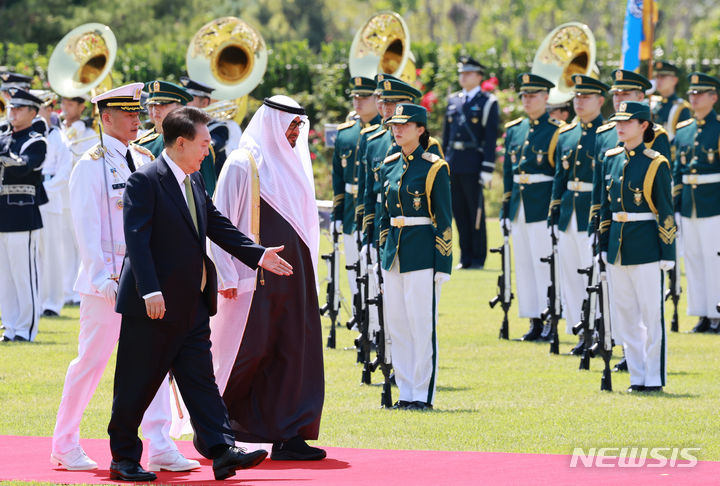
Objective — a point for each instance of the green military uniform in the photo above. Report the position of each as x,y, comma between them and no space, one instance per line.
162,92
669,111
697,198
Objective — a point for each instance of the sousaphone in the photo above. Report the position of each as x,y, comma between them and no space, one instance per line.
382,45
569,49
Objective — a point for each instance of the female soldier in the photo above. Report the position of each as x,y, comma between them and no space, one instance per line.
416,242
637,239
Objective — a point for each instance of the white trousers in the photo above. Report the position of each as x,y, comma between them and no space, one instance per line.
574,252
636,312
99,332
19,297
351,256
531,242
52,296
71,258
702,265
410,317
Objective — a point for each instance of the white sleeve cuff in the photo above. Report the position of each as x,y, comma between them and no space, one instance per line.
262,258
151,294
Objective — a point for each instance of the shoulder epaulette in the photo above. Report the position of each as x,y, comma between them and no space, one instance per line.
96,152
684,123
347,124
568,127
556,122
659,129
392,157
605,127
683,103
376,135
614,151
147,138
514,122
432,158
35,134
651,153
369,129
142,150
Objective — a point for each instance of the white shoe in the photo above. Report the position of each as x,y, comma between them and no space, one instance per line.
172,461
75,460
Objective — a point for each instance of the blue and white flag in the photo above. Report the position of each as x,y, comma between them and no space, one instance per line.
632,35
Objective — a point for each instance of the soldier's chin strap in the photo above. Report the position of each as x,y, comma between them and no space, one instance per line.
114,275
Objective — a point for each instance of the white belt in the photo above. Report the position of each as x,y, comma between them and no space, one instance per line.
9,189
531,178
379,198
578,186
700,178
623,217
401,221
351,188
108,247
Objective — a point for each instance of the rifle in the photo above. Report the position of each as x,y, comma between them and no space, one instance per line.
505,295
382,340
332,302
673,292
589,309
604,327
554,308
357,298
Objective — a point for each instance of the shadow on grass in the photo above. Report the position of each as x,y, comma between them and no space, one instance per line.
662,394
452,388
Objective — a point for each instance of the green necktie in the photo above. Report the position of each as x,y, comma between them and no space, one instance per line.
191,202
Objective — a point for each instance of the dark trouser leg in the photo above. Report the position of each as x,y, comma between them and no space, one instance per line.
193,370
463,218
479,235
146,349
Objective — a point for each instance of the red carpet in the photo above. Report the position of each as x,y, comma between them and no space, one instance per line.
27,459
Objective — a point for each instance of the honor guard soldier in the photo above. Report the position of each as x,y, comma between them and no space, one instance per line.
22,153
345,174
12,81
668,109
528,174
225,134
572,188
97,185
165,97
637,240
469,138
416,242
697,199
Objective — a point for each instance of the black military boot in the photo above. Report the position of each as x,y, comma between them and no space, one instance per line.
580,346
621,366
536,327
703,325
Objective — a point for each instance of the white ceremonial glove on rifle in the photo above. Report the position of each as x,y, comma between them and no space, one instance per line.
441,278
553,230
666,265
337,226
109,289
603,256
505,222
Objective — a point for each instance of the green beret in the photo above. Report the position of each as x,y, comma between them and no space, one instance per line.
408,113
700,82
665,68
162,92
532,83
632,110
589,85
624,80
361,86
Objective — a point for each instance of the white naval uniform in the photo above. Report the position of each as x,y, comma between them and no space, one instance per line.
702,265
351,257
99,323
575,252
56,172
79,139
532,277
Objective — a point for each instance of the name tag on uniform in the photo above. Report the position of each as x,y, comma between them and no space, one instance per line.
119,185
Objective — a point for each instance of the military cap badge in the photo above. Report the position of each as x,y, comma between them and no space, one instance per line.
358,81
399,110
619,75
156,86
623,106
695,79
526,78
387,85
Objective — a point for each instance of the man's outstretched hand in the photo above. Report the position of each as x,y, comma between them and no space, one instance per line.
272,262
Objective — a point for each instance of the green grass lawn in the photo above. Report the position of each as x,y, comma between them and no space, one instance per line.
492,395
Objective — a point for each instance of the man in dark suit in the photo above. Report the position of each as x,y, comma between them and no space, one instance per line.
167,291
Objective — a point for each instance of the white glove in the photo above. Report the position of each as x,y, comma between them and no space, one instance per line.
603,256
505,222
441,278
11,160
365,253
338,226
677,223
666,265
486,179
108,289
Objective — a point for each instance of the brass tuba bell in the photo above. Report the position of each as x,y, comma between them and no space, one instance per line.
569,49
228,55
382,45
82,60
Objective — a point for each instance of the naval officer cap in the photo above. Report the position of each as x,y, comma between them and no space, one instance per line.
196,88
624,80
532,83
467,64
15,80
20,97
163,93
700,82
408,113
125,98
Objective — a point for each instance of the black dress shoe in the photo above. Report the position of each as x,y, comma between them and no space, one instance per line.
49,313
536,328
296,449
421,406
653,389
703,325
401,405
636,388
126,470
20,339
236,458
6,339
621,366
